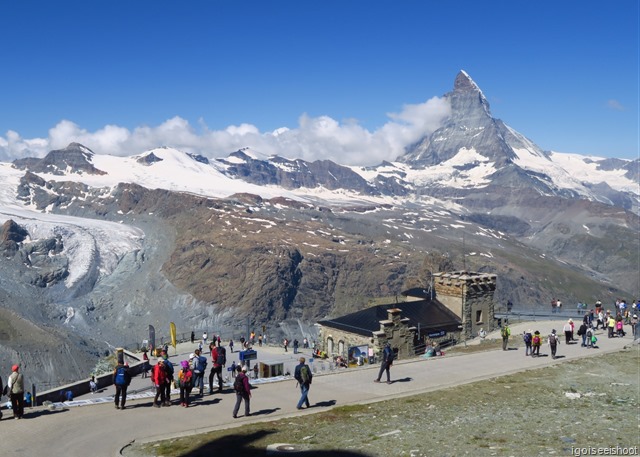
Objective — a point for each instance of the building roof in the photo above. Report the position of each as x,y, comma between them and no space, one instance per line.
427,314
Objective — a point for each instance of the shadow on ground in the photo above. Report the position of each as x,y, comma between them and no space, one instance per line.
241,446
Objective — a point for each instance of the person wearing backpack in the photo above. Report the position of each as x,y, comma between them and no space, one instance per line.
553,341
303,375
505,333
185,378
528,339
15,384
243,391
582,332
536,342
589,334
219,359
121,379
387,361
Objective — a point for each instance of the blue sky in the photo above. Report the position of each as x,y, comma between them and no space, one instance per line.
207,76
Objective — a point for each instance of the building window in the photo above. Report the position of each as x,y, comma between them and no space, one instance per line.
479,316
329,345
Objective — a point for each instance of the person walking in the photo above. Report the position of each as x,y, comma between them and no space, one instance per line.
121,379
611,324
505,333
568,331
527,337
185,376
168,368
303,375
553,343
387,361
243,391
15,385
159,378
582,333
219,360
536,343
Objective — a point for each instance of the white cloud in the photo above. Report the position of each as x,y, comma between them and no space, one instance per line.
315,138
615,105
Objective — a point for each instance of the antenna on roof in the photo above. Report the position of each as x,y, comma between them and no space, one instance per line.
464,254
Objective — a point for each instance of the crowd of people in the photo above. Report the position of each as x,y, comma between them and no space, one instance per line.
189,379
597,318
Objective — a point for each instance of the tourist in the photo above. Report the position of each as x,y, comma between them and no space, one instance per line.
199,367
231,346
159,379
185,378
193,336
303,375
121,379
505,332
568,330
145,364
295,346
536,342
243,391
611,325
634,325
387,361
582,332
93,387
15,385
553,343
168,368
219,360
527,337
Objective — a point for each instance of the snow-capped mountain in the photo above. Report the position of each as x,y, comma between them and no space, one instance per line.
104,245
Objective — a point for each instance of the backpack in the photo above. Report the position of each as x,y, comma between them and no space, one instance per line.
222,356
185,378
120,377
536,340
305,374
553,339
589,333
238,384
527,338
504,332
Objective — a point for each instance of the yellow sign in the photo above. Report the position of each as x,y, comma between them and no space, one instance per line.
173,334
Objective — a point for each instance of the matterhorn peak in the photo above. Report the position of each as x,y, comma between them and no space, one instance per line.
464,83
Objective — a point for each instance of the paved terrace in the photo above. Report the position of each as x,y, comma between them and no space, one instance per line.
92,426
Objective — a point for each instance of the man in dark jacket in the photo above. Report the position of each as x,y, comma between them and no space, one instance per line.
387,361
121,379
243,391
303,375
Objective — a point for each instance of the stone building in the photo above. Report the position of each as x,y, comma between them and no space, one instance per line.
457,306
469,296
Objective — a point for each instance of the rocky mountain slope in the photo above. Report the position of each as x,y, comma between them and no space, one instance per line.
95,248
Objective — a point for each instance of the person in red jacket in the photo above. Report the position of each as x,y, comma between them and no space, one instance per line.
159,380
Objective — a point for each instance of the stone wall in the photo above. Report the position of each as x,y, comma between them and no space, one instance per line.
470,296
395,329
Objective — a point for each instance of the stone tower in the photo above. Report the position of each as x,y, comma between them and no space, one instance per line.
469,296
